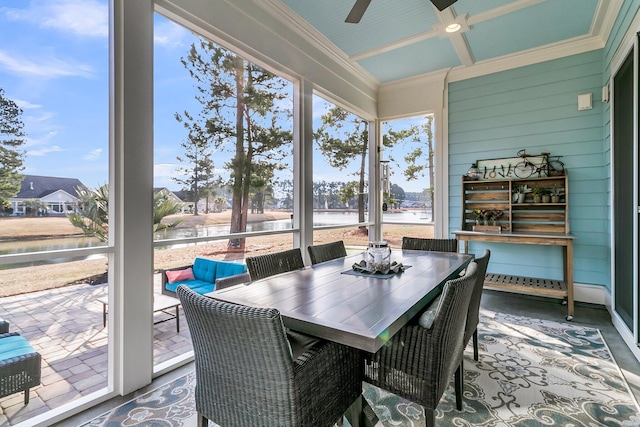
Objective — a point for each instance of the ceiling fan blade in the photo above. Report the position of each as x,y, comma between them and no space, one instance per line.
357,11
442,4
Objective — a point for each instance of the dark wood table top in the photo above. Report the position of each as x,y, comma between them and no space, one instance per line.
361,312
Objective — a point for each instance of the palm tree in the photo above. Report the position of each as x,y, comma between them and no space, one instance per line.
164,206
93,217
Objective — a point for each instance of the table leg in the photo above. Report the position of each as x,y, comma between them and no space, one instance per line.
177,319
360,414
354,411
568,277
104,314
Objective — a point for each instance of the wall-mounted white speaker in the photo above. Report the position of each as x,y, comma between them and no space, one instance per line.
605,93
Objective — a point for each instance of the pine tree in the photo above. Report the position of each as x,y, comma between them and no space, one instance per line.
11,157
240,102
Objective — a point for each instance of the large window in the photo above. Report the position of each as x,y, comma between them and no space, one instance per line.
340,175
54,91
223,138
408,178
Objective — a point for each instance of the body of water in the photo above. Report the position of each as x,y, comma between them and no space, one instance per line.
319,219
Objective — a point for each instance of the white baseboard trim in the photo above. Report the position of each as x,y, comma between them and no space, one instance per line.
593,294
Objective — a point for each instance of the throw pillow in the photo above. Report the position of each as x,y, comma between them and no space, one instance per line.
180,275
429,315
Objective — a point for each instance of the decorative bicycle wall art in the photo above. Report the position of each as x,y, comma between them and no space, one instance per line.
524,165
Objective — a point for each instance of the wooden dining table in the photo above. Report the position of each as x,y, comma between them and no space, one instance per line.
331,301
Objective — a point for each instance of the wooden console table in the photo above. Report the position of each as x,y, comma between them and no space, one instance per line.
523,284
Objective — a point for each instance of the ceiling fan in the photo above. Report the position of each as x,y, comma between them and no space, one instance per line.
361,6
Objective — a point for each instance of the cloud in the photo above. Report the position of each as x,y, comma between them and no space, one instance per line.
93,154
26,105
44,151
165,170
79,17
46,67
170,34
45,116
34,142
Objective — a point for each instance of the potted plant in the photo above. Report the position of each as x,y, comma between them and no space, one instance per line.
546,195
537,193
480,214
493,215
519,192
555,194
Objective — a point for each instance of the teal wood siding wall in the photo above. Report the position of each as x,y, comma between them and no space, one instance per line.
535,107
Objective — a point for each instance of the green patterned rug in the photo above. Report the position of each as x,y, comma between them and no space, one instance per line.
530,373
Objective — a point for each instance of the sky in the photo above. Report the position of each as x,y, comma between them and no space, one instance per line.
54,65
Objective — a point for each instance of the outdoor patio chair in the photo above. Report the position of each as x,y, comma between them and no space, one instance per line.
420,360
473,316
262,266
249,372
19,365
326,252
436,245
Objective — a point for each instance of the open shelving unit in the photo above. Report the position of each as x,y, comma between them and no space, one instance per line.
526,217
529,222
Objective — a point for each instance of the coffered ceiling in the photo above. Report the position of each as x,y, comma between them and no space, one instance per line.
400,39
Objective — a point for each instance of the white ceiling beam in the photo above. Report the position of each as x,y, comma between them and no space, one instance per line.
503,10
459,41
395,45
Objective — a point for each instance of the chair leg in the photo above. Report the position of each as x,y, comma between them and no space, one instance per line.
26,397
202,421
459,385
475,345
430,417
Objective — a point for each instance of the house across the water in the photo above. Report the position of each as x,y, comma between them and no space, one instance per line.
46,195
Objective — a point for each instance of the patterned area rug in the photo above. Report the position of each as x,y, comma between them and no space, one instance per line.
530,373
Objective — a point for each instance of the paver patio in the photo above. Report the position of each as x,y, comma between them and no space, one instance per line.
65,326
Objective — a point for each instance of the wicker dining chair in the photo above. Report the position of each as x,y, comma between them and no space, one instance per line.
249,374
326,252
473,316
436,245
419,362
262,266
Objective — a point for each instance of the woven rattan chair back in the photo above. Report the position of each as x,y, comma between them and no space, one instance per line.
246,376
237,347
326,252
262,266
436,245
418,363
473,316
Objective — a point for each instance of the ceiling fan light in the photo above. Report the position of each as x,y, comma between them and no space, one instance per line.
452,28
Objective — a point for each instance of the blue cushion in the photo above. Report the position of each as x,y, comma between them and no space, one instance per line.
14,346
195,285
226,269
205,269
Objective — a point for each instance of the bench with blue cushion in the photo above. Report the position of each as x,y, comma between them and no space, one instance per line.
205,272
19,365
